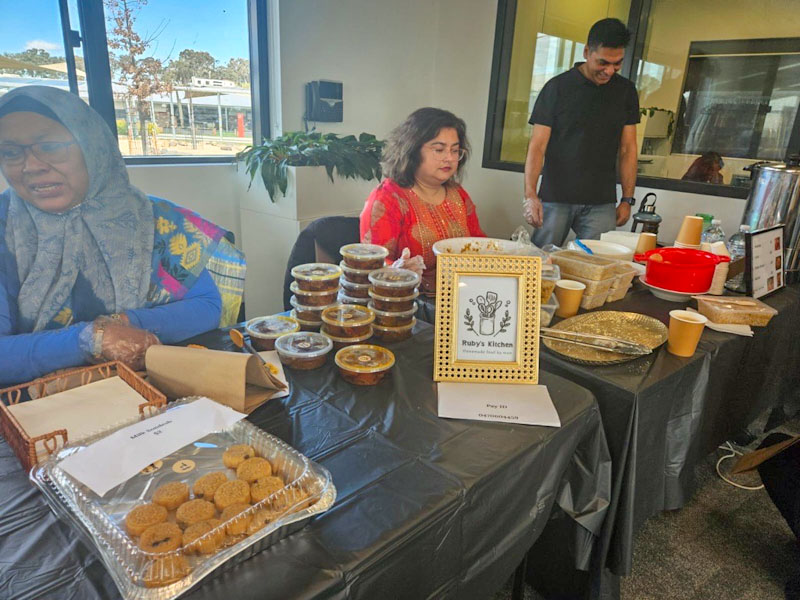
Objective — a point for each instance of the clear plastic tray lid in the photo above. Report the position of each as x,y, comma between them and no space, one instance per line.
364,251
271,327
306,344
393,277
348,315
365,358
316,272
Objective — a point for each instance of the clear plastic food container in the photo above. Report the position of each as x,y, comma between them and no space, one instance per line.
348,320
263,331
739,311
306,325
387,318
354,290
583,265
317,277
364,256
364,364
341,342
548,310
594,287
550,274
303,351
390,304
308,313
394,334
390,282
171,566
343,298
590,301
622,282
307,298
355,275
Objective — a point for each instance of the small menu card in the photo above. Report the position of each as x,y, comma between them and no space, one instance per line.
501,402
122,454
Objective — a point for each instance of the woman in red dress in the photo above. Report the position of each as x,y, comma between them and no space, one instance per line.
420,202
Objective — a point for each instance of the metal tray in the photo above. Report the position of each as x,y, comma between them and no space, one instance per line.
139,575
624,325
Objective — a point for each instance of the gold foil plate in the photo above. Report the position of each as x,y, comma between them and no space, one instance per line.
627,326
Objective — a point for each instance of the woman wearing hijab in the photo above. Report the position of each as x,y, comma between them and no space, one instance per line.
91,269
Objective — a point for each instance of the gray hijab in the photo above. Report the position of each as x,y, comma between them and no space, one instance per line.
107,238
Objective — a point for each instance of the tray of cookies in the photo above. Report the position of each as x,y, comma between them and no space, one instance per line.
219,500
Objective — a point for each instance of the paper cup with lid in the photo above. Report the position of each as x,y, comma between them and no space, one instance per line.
391,304
390,282
386,318
304,350
309,298
348,320
263,331
364,364
363,256
317,277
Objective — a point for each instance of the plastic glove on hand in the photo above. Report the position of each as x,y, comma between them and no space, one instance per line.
126,344
412,263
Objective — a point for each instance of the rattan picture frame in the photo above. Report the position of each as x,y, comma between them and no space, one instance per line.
473,291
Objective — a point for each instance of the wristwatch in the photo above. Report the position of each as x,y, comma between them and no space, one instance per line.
628,200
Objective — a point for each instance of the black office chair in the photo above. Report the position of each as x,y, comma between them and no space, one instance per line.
320,242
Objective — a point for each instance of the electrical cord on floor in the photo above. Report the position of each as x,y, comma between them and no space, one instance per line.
728,447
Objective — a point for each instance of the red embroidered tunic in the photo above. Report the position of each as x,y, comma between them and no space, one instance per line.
396,218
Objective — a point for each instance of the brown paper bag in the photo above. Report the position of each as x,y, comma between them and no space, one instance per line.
231,378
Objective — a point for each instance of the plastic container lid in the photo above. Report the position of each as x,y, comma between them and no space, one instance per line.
400,329
296,303
352,284
551,272
271,327
345,299
347,269
365,358
295,289
413,296
386,313
341,340
392,277
364,251
316,272
293,314
348,315
305,344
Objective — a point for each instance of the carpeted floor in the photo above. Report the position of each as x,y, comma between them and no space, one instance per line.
725,544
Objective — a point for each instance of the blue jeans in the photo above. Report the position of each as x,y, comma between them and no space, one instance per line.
588,221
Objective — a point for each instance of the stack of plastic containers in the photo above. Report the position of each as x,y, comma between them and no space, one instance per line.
358,261
393,292
315,288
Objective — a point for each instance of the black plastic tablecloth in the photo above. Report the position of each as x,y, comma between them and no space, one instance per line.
426,507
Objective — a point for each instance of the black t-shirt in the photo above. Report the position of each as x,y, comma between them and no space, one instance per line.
586,122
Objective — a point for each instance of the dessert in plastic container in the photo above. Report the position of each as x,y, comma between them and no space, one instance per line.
601,286
303,351
355,275
307,298
583,265
624,277
550,274
307,313
390,282
364,364
387,318
354,290
590,301
343,298
392,304
394,334
306,325
348,320
179,564
341,342
264,331
317,277
753,312
363,256
547,311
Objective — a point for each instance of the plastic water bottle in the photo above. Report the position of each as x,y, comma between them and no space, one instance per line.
714,233
737,249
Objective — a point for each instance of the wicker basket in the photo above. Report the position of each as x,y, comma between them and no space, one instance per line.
25,447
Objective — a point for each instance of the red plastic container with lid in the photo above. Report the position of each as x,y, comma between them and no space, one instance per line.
680,269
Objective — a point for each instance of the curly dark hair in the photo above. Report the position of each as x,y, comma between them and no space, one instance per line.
401,154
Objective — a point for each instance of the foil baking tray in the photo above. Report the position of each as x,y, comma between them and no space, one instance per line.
141,575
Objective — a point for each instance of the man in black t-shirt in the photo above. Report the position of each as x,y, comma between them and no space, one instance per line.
582,121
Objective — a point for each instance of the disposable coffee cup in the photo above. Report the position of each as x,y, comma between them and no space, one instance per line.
685,329
690,231
647,241
569,294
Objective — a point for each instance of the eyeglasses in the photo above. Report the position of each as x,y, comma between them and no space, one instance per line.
52,153
440,153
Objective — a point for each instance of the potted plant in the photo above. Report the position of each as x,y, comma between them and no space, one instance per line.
348,157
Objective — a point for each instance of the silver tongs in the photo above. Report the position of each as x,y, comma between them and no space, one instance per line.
596,341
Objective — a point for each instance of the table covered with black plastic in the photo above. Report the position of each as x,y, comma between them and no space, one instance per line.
426,507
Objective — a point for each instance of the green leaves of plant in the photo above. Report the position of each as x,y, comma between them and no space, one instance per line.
348,157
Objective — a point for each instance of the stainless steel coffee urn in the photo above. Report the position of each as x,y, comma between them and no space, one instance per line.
774,200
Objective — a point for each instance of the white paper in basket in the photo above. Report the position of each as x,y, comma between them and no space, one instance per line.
118,457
